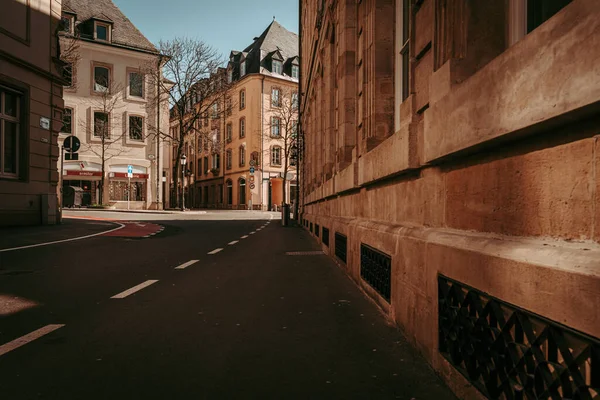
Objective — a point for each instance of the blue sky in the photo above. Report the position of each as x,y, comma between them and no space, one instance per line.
226,24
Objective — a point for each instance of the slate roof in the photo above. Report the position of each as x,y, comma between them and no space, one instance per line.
124,33
274,38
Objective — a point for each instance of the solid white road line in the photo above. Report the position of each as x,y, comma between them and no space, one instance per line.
134,289
233,242
244,237
121,226
215,251
23,340
187,264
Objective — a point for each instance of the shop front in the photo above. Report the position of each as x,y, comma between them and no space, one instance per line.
128,191
86,176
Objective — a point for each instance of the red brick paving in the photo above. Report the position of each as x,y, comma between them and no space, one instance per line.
136,229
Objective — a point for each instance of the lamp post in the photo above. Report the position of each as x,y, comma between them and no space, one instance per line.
183,162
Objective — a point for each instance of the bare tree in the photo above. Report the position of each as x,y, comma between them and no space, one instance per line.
281,130
68,47
196,86
103,141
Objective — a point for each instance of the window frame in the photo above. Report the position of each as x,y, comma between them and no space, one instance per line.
108,31
273,119
228,159
275,99
242,127
272,160
242,68
109,68
229,132
71,18
242,155
279,63
143,129
20,119
108,118
72,112
242,97
297,69
131,71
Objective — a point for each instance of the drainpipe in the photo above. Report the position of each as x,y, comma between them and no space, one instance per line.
262,133
157,158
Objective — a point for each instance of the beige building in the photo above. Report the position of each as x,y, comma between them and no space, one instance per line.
111,105
31,108
451,168
245,169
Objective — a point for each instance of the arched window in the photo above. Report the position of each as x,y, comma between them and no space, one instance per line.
242,183
242,99
229,185
242,155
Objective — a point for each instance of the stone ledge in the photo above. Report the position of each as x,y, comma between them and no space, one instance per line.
542,77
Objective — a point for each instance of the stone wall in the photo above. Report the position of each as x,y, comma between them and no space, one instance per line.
490,177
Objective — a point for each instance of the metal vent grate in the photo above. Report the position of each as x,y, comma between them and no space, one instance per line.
510,353
317,230
325,236
340,246
376,270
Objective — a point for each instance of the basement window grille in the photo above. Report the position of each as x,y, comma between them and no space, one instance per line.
376,270
317,230
325,236
510,353
340,246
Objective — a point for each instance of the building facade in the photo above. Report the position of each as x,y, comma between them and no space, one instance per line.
239,161
31,109
112,106
451,168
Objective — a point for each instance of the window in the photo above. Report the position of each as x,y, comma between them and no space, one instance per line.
67,127
242,99
276,155
275,127
275,97
539,11
136,84
66,23
295,71
102,32
277,67
214,111
254,158
242,182
294,100
294,133
229,76
101,79
10,129
228,159
242,156
229,192
243,68
242,127
101,126
228,132
404,50
67,74
206,165
216,161
136,126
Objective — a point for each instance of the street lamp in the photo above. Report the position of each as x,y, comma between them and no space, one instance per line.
183,162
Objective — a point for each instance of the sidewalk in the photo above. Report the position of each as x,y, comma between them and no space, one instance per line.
70,228
352,347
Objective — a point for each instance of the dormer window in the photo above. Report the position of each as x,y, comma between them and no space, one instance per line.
229,76
102,31
243,68
67,22
277,67
295,71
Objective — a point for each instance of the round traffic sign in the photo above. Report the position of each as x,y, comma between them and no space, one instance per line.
251,178
71,143
252,186
252,163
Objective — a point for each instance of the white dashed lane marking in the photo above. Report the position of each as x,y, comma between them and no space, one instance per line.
233,242
134,289
244,237
30,337
252,233
187,264
215,251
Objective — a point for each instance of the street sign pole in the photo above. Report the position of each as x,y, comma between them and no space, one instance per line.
60,188
128,190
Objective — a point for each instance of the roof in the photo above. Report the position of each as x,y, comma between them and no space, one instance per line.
274,38
124,33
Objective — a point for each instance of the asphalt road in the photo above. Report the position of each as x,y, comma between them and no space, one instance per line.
247,321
